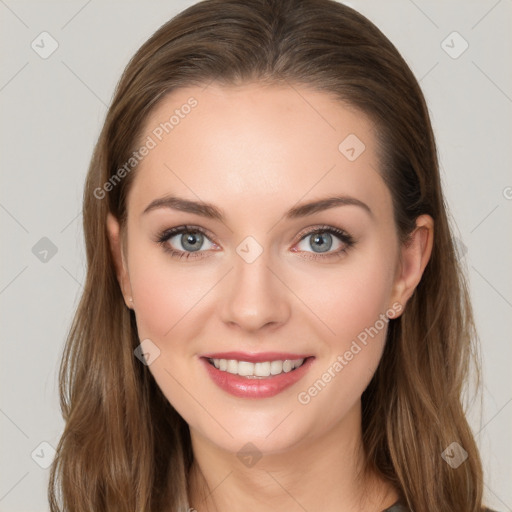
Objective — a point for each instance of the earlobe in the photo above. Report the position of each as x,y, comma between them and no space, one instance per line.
114,236
414,256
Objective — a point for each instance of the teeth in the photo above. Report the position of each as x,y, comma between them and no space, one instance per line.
253,370
262,369
245,369
276,367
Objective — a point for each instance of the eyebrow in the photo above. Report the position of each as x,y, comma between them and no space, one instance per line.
212,212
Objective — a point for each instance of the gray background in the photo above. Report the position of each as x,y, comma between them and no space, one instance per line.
51,113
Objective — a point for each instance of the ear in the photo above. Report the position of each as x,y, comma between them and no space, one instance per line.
414,256
116,247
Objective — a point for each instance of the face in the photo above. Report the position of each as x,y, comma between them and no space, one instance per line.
270,273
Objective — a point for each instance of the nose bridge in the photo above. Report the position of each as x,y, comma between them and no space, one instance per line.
255,297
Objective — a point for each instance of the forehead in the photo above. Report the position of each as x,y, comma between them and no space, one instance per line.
253,144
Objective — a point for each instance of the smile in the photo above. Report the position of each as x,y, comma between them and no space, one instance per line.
265,376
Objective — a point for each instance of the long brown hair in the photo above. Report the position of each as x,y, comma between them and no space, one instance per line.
124,447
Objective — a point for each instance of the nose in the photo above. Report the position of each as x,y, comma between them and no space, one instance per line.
254,296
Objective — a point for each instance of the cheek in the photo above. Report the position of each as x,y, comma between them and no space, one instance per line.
156,300
353,306
351,298
166,299
164,292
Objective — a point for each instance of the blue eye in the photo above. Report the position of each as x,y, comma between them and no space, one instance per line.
192,238
322,239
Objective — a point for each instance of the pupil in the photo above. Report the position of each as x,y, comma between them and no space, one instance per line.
318,238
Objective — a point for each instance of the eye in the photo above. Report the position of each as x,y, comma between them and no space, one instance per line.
188,242
323,239
184,241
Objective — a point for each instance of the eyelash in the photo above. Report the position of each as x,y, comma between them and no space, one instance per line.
343,236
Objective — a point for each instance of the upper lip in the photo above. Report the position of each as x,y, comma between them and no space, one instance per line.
259,357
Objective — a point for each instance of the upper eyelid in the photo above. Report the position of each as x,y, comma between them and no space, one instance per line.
178,230
321,228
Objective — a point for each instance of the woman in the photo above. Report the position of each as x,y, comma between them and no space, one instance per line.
273,313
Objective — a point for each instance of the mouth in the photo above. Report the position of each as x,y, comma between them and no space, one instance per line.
256,375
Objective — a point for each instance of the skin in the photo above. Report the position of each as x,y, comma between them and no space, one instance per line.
256,151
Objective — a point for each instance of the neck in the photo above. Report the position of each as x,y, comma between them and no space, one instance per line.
326,473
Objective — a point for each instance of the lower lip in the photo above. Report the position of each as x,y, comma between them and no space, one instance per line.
261,387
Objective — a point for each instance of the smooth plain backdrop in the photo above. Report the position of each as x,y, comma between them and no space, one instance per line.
60,63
